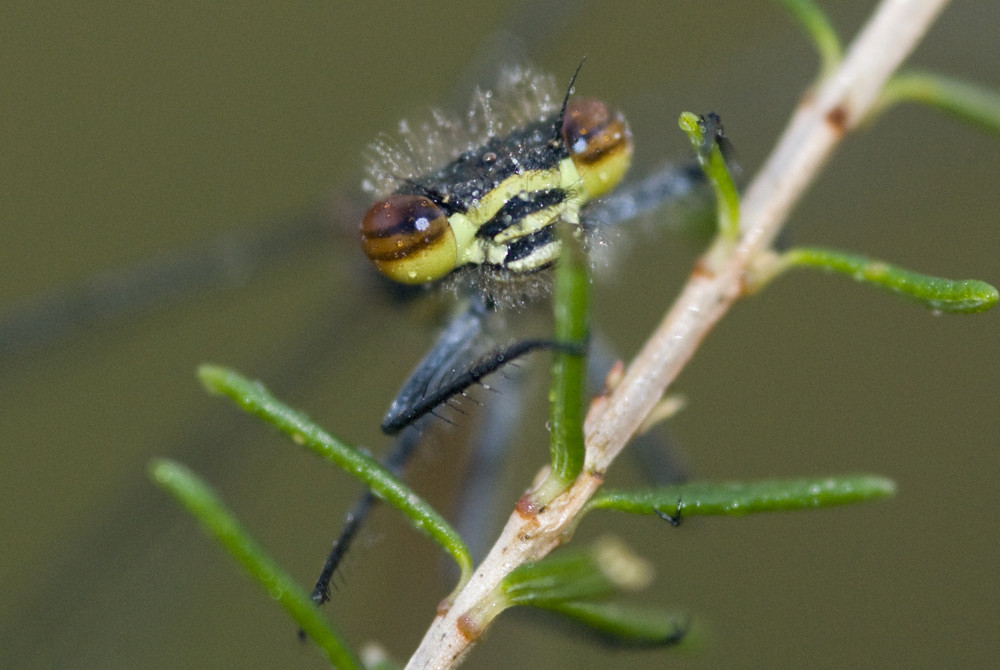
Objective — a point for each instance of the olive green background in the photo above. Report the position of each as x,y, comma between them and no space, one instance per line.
131,129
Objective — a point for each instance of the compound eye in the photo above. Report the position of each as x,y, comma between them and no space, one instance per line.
599,142
408,239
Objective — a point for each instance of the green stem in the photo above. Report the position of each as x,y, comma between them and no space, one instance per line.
705,135
257,400
965,296
819,29
199,499
739,498
968,102
569,369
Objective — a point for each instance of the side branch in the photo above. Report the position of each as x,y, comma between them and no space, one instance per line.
821,120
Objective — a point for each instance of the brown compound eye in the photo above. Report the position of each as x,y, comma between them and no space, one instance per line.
599,142
408,239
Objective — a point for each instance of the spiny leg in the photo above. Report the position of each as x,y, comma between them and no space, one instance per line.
395,461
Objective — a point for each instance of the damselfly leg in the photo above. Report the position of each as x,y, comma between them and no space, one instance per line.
485,221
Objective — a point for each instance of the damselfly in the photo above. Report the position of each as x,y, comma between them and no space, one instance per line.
487,203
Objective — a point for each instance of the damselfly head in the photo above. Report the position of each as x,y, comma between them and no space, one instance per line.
485,212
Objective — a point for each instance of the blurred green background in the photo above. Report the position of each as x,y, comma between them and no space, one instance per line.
132,129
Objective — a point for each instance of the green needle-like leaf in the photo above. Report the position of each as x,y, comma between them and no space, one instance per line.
602,570
737,499
569,576
256,399
963,100
569,583
606,567
705,135
818,26
199,499
965,296
626,625
569,368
